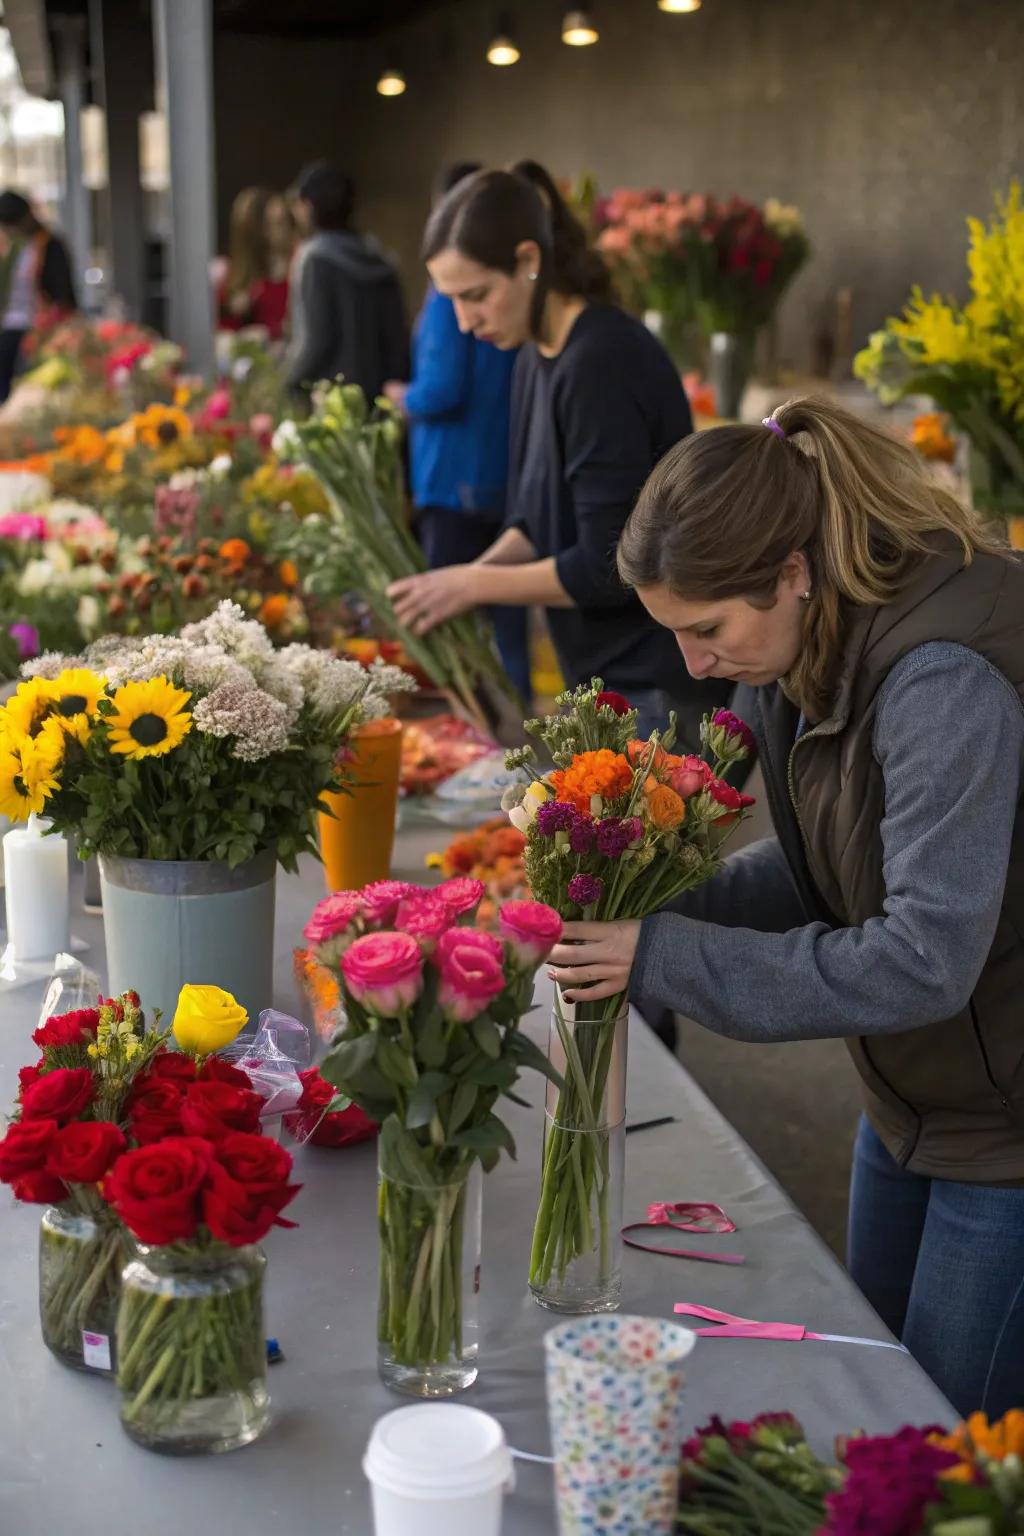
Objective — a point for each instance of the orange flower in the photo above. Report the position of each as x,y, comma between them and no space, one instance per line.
235,552
665,809
81,445
160,425
461,855
929,436
288,574
274,609
603,773
977,1437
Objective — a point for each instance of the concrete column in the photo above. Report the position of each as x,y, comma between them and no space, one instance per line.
70,49
121,44
183,36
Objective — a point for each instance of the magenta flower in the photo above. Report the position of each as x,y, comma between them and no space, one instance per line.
613,837
581,834
26,638
384,972
892,1479
584,890
728,737
555,816
426,916
461,895
381,899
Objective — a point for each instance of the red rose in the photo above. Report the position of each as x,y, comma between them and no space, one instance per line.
154,1110
155,1190
214,1109
613,701
317,1092
39,1187
214,1070
67,1028
172,1065
24,1148
60,1095
243,1209
256,1162
343,1129
29,1075
81,1153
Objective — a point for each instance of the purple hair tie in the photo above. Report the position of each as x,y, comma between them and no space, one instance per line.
773,426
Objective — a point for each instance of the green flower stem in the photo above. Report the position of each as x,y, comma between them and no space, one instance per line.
420,1294
80,1285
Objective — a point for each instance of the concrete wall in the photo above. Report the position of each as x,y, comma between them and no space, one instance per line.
886,121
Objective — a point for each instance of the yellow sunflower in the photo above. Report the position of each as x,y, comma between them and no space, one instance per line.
28,775
27,708
161,425
76,693
149,718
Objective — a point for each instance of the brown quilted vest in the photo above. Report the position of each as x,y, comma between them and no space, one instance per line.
946,1099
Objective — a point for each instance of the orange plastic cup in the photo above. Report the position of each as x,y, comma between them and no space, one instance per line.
356,843
1016,531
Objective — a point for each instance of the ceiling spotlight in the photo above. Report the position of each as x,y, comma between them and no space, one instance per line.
391,83
578,29
679,7
502,50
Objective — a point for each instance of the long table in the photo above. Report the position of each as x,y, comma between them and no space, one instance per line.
66,1466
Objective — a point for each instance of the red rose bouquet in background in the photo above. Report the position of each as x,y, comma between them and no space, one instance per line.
325,1118
191,1349
431,1041
616,830
67,1129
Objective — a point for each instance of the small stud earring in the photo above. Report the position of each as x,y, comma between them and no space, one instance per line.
805,597
532,276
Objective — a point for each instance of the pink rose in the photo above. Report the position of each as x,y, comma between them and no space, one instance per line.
332,916
426,917
384,972
470,978
462,895
381,900
471,938
690,777
530,929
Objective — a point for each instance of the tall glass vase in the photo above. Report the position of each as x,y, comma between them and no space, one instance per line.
427,1326
576,1257
730,361
80,1263
192,1355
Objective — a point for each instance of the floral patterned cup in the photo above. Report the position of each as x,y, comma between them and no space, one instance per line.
615,1404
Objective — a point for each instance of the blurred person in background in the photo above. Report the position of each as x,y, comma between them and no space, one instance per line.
458,408
347,315
36,285
254,290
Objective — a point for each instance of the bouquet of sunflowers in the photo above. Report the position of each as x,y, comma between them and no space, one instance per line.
968,358
205,745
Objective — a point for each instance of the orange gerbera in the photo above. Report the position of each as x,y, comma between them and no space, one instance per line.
605,773
234,552
274,609
665,809
977,1437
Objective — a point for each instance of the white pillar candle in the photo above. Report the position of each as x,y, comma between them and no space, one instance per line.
36,875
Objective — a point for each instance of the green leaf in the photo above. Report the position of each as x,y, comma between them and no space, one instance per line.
424,1097
395,1062
491,1135
430,1041
531,1055
463,1103
487,1036
402,1158
347,1058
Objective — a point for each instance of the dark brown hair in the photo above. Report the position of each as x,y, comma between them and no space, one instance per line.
724,509
248,252
487,216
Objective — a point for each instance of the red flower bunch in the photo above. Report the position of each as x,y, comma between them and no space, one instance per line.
172,1098
310,1122
75,1028
236,1187
42,1154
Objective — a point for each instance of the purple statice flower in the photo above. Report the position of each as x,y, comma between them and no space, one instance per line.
891,1481
581,834
584,890
614,836
555,816
26,638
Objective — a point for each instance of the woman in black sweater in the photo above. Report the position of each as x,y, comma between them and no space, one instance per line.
596,402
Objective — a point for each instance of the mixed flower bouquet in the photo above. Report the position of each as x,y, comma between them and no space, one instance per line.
744,1479
209,744
968,357
67,1130
431,1041
613,810
365,543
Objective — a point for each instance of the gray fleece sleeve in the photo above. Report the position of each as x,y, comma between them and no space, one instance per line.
315,343
949,738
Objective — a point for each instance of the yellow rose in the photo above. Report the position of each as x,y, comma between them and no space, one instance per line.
206,1019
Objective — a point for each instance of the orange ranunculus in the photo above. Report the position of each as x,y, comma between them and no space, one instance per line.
665,809
662,761
605,773
461,855
234,552
288,574
81,445
503,843
929,436
976,1436
274,609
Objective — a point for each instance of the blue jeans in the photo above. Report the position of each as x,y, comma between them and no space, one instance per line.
943,1265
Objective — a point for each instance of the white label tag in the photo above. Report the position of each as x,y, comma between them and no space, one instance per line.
96,1350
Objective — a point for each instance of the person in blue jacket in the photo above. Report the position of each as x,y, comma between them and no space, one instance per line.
458,404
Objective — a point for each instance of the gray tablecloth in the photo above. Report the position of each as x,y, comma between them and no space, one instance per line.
66,1466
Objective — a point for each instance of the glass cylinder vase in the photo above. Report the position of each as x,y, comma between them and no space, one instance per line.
80,1263
576,1257
427,1324
730,361
192,1361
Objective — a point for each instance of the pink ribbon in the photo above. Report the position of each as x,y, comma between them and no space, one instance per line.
699,1216
728,1326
